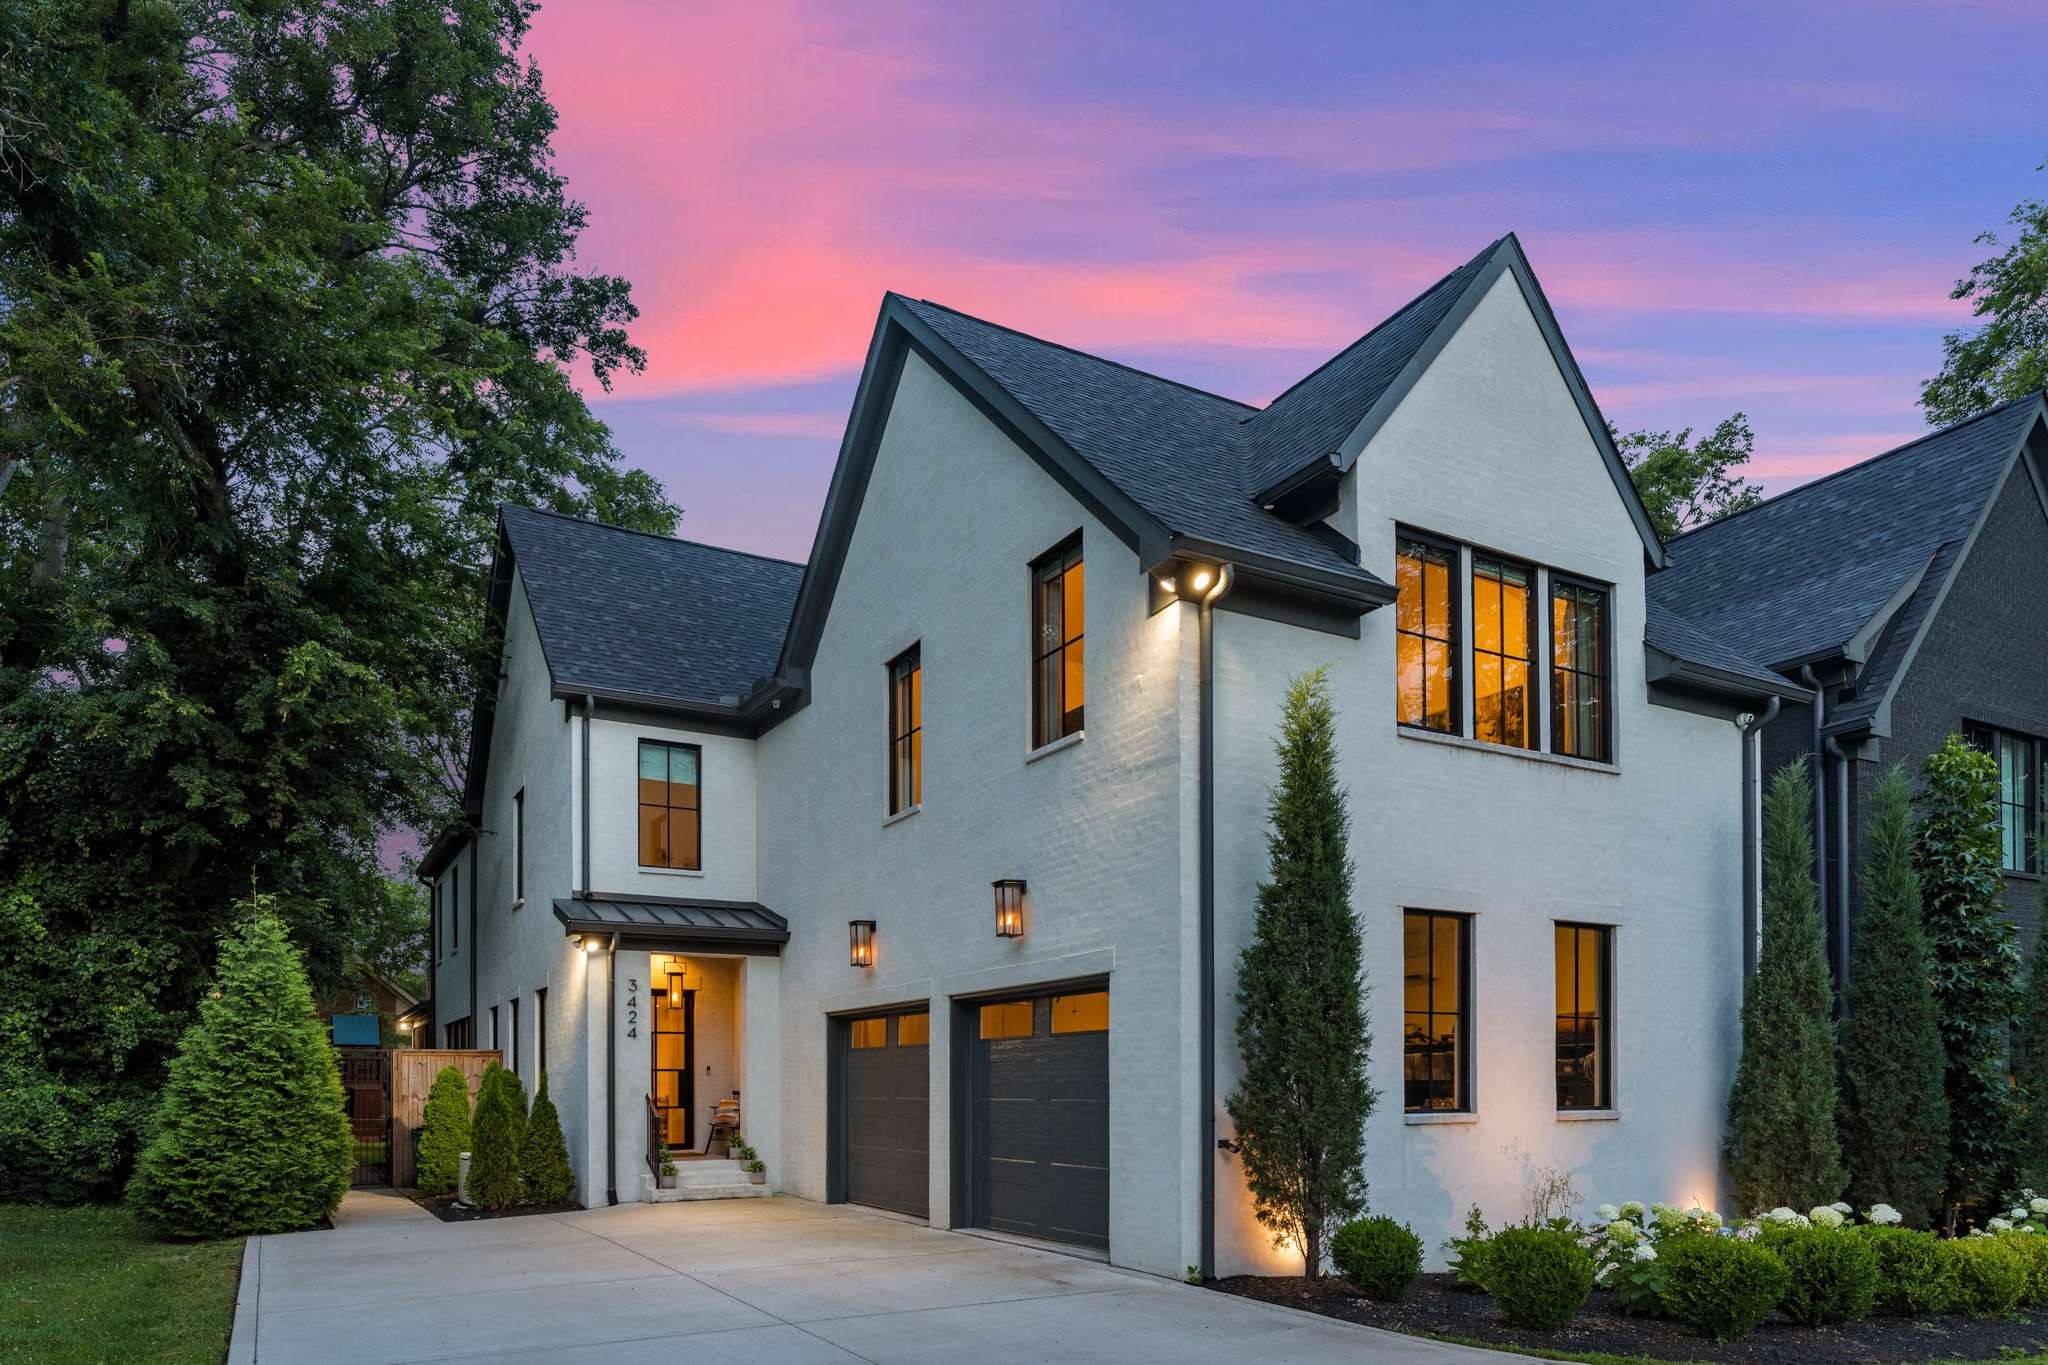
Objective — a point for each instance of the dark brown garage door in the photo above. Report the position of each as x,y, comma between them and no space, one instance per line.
888,1107
1041,1117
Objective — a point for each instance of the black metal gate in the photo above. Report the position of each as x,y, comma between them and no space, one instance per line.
366,1089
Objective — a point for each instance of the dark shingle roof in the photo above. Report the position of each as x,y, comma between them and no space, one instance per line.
1666,630
623,612
1807,571
643,917
1311,420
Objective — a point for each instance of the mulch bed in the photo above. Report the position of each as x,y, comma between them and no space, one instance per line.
444,1207
1436,1307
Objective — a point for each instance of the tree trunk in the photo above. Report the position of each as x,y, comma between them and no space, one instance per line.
1312,1259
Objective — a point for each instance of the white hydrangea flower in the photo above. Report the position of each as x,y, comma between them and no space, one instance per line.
1624,1232
1781,1214
1607,1213
1884,1215
1999,1225
1633,1209
2016,1214
1646,1252
1839,1207
2038,1205
1747,1232
1825,1217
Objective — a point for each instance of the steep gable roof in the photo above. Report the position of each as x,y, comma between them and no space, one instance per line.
1818,570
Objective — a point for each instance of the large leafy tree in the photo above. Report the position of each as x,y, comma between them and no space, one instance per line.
288,305
2006,354
1894,1109
1782,1147
1684,482
1976,965
1301,1107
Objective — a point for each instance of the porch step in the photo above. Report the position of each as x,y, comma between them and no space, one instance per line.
732,1183
709,1171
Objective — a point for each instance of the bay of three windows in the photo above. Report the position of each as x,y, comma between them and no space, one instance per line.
1440,583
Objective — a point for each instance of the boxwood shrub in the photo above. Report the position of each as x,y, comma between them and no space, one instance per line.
1539,1277
1833,1276
1915,1275
2033,1248
1991,1275
1722,1287
444,1132
1380,1256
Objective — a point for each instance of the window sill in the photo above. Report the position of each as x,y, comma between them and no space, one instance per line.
1433,1118
900,816
1589,1116
1485,747
1048,750
2015,874
671,871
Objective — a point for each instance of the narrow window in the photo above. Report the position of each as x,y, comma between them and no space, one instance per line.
519,847
455,908
2019,796
906,731
669,805
495,1047
1426,636
540,1031
515,1035
1503,685
1436,1031
1579,679
434,918
1059,688
1585,974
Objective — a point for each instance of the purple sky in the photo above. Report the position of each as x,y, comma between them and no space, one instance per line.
1753,206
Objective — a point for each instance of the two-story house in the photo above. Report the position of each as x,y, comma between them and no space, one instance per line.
940,849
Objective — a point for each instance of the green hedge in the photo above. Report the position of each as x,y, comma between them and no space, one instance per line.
1991,1275
1722,1287
1833,1276
1539,1277
444,1132
1380,1256
1915,1274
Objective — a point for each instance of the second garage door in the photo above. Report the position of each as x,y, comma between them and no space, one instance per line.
888,1110
1040,1102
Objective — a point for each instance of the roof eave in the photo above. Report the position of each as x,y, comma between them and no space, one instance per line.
1669,670
1360,592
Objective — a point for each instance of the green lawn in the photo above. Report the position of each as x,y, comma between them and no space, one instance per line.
90,1284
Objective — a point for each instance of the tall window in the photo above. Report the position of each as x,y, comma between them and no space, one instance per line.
519,847
1426,635
496,1044
2019,796
455,908
669,825
1503,688
1437,1027
1585,1062
1059,687
1579,681
540,1031
906,731
434,897
515,1035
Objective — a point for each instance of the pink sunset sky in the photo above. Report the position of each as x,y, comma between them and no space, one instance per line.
1733,206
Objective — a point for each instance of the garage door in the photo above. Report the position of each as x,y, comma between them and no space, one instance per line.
1040,1100
888,1107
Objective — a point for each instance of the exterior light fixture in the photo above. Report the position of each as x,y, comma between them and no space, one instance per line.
675,990
1167,585
861,942
1201,580
587,942
1009,908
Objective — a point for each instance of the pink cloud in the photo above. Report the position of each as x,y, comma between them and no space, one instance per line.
818,425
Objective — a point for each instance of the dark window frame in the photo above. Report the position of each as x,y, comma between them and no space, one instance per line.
540,1031
1453,639
519,847
906,742
1461,1015
1600,1032
496,1042
1580,589
2028,813
514,1050
1052,567
1532,639
455,909
639,755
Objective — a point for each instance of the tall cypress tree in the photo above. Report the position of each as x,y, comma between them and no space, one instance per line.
1894,1108
1977,965
2030,1060
1301,1107
1782,1147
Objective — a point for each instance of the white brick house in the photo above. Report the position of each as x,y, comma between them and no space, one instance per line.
786,793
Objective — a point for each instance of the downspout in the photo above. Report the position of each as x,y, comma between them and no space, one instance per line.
611,1071
472,941
1841,757
1206,629
1752,854
433,963
589,705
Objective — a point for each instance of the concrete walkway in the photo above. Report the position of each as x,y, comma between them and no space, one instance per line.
747,1280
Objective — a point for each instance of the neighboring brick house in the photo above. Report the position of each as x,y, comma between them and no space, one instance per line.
1914,586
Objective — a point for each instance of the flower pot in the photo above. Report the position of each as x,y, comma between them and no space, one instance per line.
666,1182
757,1177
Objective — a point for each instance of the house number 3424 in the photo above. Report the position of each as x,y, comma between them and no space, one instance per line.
632,1007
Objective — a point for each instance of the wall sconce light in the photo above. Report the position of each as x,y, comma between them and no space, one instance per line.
1009,908
861,942
675,990
1201,579
587,943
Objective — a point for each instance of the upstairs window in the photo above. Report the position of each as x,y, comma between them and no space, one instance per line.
906,731
1426,635
1503,687
1580,684
519,847
670,832
1059,688
2019,796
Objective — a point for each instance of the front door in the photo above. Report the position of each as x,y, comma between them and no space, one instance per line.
675,1057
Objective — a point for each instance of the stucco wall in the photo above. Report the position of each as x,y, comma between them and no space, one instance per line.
727,807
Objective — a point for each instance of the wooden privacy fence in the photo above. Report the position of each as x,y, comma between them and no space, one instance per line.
412,1076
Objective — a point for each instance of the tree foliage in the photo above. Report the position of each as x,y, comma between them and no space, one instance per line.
1686,483
2030,1062
1302,1104
288,306
1894,1108
496,1134
543,1155
252,1135
1782,1147
1976,964
2006,354
444,1132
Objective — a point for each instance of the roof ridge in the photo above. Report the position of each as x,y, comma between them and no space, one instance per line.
650,535
1086,355
1860,465
1381,325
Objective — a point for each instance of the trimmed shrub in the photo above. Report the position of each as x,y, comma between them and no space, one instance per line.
252,1135
2033,1247
1915,1275
1380,1256
1991,1275
444,1132
543,1156
1539,1277
495,1135
1833,1276
1722,1287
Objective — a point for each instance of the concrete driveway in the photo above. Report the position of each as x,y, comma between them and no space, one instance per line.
740,1281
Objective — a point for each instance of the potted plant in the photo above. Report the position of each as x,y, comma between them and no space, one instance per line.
750,1161
757,1171
665,1178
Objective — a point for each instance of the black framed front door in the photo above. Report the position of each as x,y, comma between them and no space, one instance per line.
675,1061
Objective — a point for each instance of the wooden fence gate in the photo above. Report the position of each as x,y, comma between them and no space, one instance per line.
412,1076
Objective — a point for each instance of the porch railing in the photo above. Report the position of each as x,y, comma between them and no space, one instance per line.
657,1145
